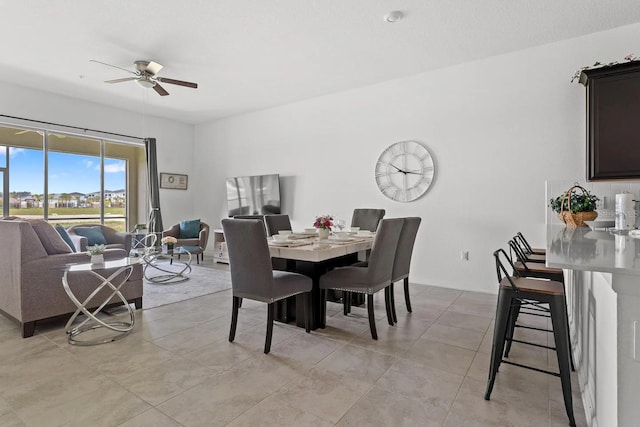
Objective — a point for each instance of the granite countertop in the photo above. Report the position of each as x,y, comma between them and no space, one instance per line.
581,248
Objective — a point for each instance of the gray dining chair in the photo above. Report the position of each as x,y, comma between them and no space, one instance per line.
276,223
253,277
402,261
367,219
260,217
373,277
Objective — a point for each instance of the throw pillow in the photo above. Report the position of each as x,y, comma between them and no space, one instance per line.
65,236
190,229
49,238
93,234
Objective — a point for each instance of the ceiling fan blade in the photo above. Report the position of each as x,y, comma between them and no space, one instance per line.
153,68
177,82
160,90
126,79
114,66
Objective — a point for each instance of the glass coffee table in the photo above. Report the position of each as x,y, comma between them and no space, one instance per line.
171,270
111,275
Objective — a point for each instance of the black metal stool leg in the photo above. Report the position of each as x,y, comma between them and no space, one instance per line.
499,334
514,311
558,320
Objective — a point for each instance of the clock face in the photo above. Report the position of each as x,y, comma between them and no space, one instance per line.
404,171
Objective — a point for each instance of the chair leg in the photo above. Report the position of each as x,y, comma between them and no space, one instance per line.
514,312
346,297
499,333
387,304
239,302
407,298
234,318
558,320
393,304
305,301
323,308
267,342
372,319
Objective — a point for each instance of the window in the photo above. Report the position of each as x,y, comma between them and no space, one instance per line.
70,180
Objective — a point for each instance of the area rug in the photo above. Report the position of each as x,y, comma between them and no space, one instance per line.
202,281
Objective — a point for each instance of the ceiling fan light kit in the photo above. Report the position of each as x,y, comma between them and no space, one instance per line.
145,75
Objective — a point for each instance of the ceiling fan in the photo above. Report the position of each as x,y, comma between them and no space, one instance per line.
146,76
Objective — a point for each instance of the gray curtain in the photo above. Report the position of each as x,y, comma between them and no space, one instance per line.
155,217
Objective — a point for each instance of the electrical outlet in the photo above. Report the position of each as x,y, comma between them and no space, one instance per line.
464,255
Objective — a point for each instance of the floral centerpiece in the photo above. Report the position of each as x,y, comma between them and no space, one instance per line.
323,223
169,241
96,252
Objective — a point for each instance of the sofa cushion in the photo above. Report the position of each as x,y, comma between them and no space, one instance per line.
93,234
65,236
189,229
49,237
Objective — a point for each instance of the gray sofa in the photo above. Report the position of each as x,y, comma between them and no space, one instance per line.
32,259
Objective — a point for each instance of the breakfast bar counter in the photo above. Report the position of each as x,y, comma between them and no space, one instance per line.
602,281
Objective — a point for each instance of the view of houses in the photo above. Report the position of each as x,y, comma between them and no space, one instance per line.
26,200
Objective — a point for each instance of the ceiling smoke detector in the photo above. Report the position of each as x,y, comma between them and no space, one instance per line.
394,16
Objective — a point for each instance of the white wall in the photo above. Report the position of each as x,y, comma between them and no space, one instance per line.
497,128
174,139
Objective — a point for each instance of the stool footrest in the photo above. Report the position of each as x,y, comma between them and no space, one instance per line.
530,343
534,328
555,374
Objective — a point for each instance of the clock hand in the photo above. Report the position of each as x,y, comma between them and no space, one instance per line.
397,168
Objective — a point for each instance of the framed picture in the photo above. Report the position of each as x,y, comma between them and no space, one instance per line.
173,180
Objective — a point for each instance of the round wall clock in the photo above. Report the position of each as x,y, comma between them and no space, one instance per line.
404,171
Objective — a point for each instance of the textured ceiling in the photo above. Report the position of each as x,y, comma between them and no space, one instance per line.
248,55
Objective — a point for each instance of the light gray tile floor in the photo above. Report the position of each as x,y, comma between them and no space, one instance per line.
177,368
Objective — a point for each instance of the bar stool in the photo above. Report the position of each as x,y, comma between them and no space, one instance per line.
528,251
514,290
527,268
538,251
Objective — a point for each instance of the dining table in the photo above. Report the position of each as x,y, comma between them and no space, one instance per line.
307,254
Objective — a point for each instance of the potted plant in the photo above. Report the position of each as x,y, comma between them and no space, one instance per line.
574,208
97,254
169,241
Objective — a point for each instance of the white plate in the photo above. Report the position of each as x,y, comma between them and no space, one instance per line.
274,243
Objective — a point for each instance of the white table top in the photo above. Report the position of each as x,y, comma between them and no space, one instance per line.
583,249
321,250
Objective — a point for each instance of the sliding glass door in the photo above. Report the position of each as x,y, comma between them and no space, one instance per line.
69,179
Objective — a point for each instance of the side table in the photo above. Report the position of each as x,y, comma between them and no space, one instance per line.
171,274
107,276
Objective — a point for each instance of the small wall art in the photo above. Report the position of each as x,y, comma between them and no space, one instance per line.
173,181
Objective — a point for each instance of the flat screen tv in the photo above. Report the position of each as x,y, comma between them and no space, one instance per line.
253,195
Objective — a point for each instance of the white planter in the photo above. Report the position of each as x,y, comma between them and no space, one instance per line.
323,233
97,259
